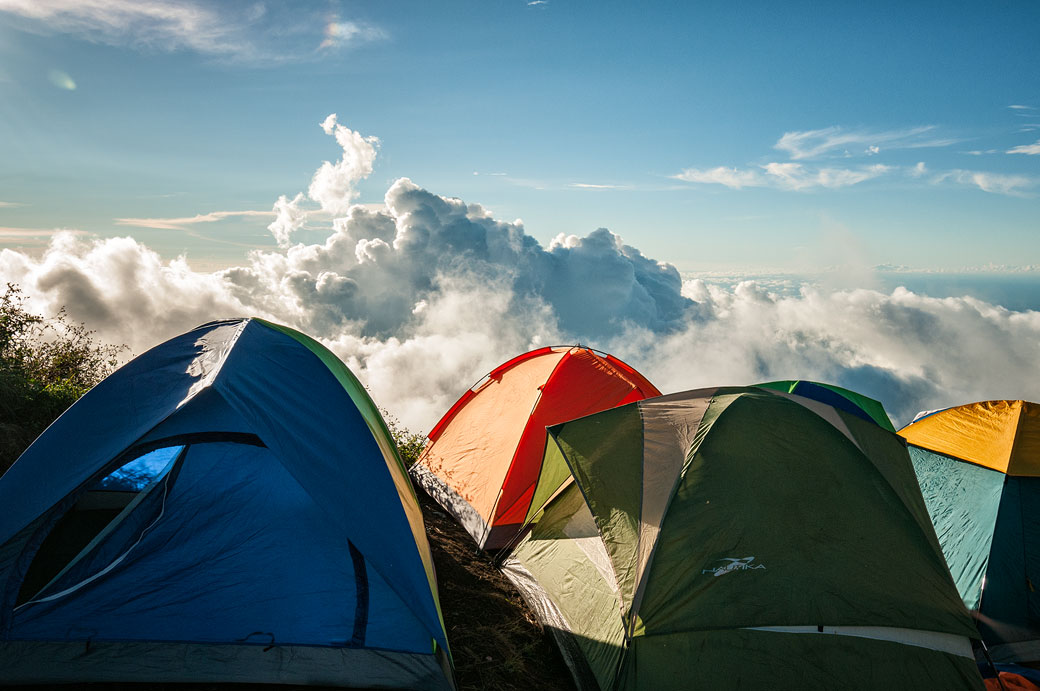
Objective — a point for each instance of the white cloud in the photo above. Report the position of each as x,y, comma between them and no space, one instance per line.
794,176
423,294
338,33
810,144
592,186
10,205
32,237
333,185
919,170
996,183
786,176
251,33
730,177
1030,149
180,223
908,350
289,218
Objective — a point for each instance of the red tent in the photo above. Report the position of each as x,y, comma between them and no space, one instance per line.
484,456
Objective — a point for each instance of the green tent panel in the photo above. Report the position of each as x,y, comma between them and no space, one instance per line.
740,537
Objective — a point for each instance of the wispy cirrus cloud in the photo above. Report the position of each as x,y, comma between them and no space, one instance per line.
994,183
251,33
32,237
1030,149
10,205
593,186
184,222
809,149
786,176
829,141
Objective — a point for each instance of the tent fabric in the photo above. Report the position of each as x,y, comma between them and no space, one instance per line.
1002,435
484,458
284,524
976,465
740,537
843,399
1009,681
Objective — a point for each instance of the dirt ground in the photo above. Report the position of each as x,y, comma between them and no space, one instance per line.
495,641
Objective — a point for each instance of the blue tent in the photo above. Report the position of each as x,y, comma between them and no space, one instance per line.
227,507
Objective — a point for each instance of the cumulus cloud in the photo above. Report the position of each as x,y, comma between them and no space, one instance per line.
423,294
118,285
786,176
251,33
333,185
289,217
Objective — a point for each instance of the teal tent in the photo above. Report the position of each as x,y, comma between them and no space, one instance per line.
227,507
979,469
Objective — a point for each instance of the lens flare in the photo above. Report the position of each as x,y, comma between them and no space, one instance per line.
61,80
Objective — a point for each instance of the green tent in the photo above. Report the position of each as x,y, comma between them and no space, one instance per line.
740,538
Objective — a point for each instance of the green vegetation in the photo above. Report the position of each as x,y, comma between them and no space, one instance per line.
409,444
45,365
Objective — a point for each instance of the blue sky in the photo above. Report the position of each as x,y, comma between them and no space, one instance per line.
708,135
828,191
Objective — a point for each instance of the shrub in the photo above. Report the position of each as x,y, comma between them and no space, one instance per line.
45,365
409,444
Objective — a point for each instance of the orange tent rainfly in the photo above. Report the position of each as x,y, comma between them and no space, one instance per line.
485,455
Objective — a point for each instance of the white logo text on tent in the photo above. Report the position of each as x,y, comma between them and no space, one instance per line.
730,565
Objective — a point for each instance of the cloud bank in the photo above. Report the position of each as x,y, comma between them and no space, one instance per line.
423,294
